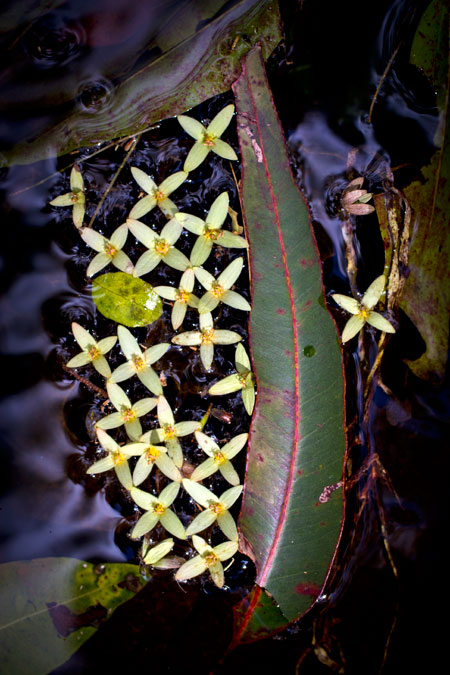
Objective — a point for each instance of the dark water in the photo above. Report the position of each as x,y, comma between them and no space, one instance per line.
323,79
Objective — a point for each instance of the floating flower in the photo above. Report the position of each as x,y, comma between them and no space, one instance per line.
241,380
209,558
116,459
109,250
363,310
75,198
218,458
210,230
150,455
156,555
139,363
169,432
218,289
182,296
207,139
127,413
354,198
206,337
93,351
216,509
156,195
160,247
157,511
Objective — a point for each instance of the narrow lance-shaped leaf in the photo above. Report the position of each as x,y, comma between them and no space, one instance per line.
297,441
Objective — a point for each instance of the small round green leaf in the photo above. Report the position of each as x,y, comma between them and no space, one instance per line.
125,299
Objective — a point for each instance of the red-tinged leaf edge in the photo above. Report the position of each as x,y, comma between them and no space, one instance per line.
307,588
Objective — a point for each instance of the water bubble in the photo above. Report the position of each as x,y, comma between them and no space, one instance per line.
52,42
95,95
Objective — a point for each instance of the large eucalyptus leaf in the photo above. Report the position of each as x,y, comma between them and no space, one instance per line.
50,606
291,511
198,59
426,296
126,299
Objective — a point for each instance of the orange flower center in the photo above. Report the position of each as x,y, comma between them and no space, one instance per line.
139,362
118,458
152,454
161,246
110,250
159,195
217,290
219,458
212,233
182,296
216,507
364,313
210,558
208,140
159,508
128,414
207,335
169,432
93,352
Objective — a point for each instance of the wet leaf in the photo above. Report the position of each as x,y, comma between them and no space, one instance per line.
200,46
292,510
126,299
256,616
426,296
45,600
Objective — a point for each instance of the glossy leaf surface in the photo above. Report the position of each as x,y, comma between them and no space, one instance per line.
50,606
200,46
291,513
126,299
426,296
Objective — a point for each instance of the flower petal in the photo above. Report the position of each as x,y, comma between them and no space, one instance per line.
176,259
117,396
226,386
234,446
165,414
208,302
142,207
207,354
106,344
224,150
226,550
349,304
78,212
128,343
111,421
104,464
191,223
201,545
191,568
189,338
229,473
101,365
122,262
248,398
378,321
192,126
150,379
106,441
231,273
374,292
199,493
231,240
171,231
205,469
169,494
226,523
172,524
172,182
123,473
123,372
159,551
206,443
142,232
218,211
175,452
133,429
352,327
201,522
228,497
204,277
220,122
217,574
82,336
196,155
178,313
94,239
143,180
146,263
144,406
167,467
143,499
97,263
186,428
206,321
241,359
225,337
119,236
201,250
153,354
146,523
142,469
79,360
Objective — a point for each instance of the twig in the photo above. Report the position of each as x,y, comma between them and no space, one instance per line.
108,189
87,383
381,82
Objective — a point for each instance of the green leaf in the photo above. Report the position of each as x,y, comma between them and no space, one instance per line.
126,299
291,514
256,616
194,64
48,606
426,295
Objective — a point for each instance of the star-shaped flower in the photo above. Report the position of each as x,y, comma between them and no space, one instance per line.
156,555
182,296
160,247
116,459
148,456
157,511
215,509
109,250
156,195
127,413
139,362
363,310
210,230
169,432
206,337
93,351
242,379
207,139
354,198
218,458
209,558
218,289
75,197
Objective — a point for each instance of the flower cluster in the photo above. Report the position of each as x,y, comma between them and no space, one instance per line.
160,443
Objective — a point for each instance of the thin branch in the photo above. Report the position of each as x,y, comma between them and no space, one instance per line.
381,82
87,383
